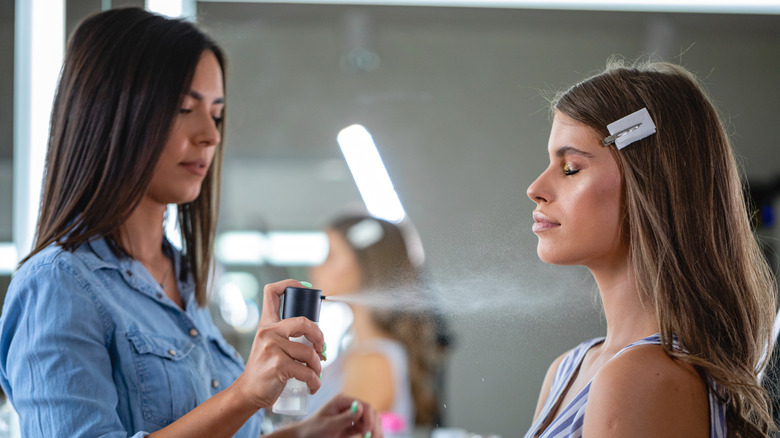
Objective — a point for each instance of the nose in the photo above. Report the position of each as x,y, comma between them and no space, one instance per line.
208,133
538,190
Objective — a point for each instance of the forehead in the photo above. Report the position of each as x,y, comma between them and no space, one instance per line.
569,132
208,74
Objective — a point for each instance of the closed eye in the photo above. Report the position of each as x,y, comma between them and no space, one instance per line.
569,170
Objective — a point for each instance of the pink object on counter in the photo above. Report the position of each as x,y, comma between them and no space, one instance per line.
392,422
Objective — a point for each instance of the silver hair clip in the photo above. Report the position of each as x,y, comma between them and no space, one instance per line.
629,129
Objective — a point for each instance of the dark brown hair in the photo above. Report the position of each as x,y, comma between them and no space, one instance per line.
124,77
386,267
691,246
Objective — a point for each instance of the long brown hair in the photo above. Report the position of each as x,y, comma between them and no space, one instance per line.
386,267
124,77
691,246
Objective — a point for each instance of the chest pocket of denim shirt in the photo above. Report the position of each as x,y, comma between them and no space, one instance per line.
228,361
167,376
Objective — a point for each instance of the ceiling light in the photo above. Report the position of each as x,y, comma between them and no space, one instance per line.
370,174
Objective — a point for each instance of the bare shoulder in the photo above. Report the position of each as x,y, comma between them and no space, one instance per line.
645,393
371,362
369,376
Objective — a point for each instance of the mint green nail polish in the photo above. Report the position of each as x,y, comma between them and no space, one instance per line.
354,407
367,435
324,346
324,356
305,284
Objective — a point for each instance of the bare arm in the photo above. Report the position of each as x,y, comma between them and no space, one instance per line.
369,377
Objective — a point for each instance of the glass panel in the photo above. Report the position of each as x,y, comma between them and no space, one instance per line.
455,101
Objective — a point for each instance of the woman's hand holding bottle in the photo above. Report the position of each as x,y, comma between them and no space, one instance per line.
274,358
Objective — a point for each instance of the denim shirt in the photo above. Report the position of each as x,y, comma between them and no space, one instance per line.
90,346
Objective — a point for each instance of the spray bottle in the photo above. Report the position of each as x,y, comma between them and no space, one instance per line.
298,301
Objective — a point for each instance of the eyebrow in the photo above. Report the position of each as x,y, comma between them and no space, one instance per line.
197,96
571,150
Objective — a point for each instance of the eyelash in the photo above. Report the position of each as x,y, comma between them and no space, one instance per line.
569,170
217,120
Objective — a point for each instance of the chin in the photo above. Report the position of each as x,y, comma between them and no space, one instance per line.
189,196
552,257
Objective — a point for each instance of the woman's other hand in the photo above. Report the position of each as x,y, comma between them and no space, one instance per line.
274,358
341,417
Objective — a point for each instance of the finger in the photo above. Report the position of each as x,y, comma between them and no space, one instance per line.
304,354
337,405
368,420
349,419
272,299
305,374
302,326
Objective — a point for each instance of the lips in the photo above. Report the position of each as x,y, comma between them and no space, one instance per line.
198,167
543,223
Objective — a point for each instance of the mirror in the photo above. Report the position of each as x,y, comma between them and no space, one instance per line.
454,100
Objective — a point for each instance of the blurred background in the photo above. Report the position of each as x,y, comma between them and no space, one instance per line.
453,96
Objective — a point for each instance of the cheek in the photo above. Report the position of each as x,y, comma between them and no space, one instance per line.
594,213
211,151
605,219
609,193
335,276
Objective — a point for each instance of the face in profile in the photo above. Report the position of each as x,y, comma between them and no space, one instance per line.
193,138
340,273
578,213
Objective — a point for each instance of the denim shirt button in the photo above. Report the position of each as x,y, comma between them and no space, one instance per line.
172,352
129,273
214,383
159,295
193,332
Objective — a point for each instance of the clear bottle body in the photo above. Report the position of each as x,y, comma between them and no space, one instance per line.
295,396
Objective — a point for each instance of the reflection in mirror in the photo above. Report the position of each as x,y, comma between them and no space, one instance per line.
454,101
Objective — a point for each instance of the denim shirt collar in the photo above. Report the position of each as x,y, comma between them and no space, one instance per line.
97,255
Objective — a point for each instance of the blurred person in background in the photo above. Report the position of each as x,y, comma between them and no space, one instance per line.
393,354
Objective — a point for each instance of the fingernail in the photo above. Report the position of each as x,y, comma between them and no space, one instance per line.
305,284
320,376
354,407
324,356
324,346
367,435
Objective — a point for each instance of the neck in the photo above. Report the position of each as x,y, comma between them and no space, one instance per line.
628,318
142,233
363,326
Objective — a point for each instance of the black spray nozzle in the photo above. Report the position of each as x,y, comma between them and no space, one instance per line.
301,301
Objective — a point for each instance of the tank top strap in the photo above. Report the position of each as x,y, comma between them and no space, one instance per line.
654,339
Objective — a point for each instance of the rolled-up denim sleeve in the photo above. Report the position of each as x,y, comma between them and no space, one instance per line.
54,355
